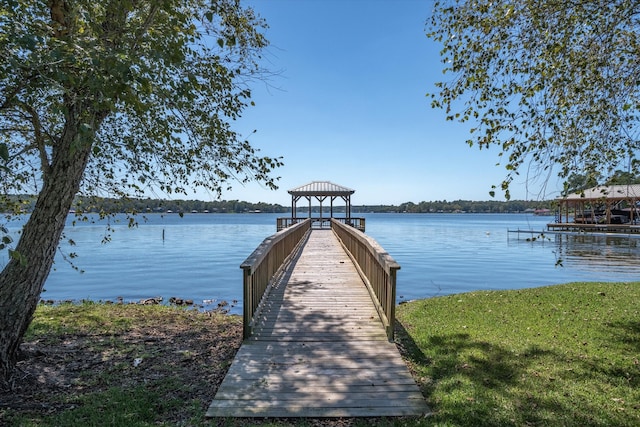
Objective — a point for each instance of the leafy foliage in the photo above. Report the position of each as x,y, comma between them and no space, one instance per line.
159,84
553,84
115,98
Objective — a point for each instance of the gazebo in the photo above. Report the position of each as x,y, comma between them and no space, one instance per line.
321,191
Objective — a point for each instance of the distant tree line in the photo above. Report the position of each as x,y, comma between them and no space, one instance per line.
110,205
175,206
133,205
443,206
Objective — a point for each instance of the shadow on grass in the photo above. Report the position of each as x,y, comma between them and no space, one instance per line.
626,334
625,339
470,382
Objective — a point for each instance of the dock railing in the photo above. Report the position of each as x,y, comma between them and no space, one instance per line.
263,265
377,269
321,223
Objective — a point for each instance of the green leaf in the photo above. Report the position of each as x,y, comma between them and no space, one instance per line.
18,257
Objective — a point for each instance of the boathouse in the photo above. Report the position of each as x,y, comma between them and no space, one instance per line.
612,208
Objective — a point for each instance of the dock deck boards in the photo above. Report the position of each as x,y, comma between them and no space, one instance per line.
319,348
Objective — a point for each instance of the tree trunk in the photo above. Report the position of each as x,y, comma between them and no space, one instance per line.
21,283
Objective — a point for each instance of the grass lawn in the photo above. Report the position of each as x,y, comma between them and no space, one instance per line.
561,355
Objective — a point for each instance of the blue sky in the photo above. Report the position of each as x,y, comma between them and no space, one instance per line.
349,105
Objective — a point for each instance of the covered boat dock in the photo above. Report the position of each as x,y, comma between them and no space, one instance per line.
602,209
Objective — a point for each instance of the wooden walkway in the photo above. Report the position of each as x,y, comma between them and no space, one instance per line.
320,349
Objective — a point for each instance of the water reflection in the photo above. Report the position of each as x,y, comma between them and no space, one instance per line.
599,253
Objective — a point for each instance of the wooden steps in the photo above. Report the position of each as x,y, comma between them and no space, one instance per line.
318,349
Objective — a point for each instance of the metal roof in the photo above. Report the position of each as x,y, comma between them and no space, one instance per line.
321,188
630,191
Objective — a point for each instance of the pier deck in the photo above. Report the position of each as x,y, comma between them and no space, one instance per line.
319,349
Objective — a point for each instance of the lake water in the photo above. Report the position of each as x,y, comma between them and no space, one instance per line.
198,256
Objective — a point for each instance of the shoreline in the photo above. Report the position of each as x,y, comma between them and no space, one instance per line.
223,307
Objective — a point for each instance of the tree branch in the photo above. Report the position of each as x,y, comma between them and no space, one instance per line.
39,139
145,27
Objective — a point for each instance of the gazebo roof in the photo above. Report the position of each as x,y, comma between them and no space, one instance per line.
610,192
321,188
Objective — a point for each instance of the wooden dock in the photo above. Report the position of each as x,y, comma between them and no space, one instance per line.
319,348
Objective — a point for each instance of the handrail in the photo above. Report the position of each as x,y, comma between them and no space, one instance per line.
377,269
264,263
321,223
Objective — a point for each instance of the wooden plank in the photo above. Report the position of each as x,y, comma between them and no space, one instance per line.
254,350
302,411
321,377
325,362
321,396
334,401
320,330
287,390
285,322
319,348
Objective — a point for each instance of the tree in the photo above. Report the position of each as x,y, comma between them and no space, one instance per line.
577,182
553,84
116,97
623,178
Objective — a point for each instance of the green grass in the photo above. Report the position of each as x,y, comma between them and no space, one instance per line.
564,355
560,355
117,406
94,318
